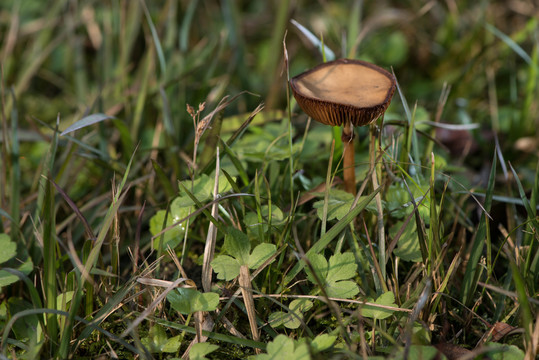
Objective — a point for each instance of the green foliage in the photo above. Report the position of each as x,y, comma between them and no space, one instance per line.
172,237
339,205
335,274
8,251
98,156
202,189
188,301
251,219
238,246
497,351
200,350
290,319
398,201
420,352
387,299
408,244
322,342
283,347
158,342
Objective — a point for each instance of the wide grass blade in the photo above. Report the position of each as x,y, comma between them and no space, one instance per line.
325,51
86,121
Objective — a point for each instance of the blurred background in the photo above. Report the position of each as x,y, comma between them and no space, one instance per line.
142,62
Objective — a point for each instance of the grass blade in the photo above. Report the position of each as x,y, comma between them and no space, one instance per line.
15,173
526,314
186,25
531,212
86,121
325,51
49,263
471,276
156,40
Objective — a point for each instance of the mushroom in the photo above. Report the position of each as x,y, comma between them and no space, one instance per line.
348,93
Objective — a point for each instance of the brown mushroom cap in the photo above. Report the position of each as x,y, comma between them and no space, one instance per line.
342,91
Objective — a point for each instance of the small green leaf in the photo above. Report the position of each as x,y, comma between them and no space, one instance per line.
188,301
173,344
408,248
260,254
290,319
7,278
342,289
398,195
281,318
202,188
8,249
156,339
63,298
27,328
320,266
251,219
173,236
205,302
342,267
200,350
387,299
226,267
419,352
301,305
281,347
322,342
339,204
499,351
237,245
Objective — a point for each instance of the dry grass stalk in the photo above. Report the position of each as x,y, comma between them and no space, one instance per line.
209,249
246,290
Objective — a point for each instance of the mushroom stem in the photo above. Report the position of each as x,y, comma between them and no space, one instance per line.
349,171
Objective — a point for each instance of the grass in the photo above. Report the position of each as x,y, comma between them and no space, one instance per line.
162,195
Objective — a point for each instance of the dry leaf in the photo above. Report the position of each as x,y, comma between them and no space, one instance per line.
452,351
499,330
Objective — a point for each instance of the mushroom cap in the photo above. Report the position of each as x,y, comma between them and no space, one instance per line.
344,90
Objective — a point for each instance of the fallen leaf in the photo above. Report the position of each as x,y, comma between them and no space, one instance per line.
499,330
452,351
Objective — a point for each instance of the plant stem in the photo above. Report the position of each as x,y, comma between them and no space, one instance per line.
349,171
